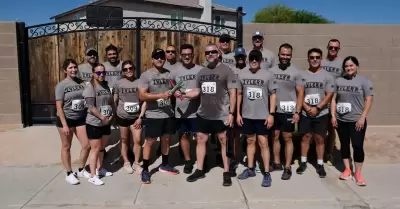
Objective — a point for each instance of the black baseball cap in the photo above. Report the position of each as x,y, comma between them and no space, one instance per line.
91,51
157,52
225,37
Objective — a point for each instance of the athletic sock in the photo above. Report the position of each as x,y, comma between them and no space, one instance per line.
146,165
303,159
320,162
164,160
69,172
80,169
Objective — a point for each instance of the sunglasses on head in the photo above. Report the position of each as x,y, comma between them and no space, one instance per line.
333,48
170,51
100,73
125,69
211,52
314,57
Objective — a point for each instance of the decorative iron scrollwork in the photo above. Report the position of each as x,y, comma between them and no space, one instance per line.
161,24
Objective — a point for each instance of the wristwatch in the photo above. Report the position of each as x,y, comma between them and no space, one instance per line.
297,113
141,117
272,113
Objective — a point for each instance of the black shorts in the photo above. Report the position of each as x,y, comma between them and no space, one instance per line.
314,125
157,127
283,122
185,125
252,126
96,132
210,126
125,122
71,123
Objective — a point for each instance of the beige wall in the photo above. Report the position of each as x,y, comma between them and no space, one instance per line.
377,47
10,106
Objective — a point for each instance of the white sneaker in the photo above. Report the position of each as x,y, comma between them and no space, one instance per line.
71,179
128,168
95,180
103,172
137,168
83,174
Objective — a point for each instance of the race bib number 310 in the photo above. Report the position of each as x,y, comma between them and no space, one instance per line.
209,88
343,108
289,106
131,107
106,110
312,99
254,93
163,102
77,105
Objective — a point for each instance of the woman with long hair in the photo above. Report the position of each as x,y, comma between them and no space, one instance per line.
130,112
70,120
100,104
349,108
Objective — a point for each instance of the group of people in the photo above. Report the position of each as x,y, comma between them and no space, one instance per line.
233,94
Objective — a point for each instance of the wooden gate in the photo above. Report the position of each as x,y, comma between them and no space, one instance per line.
48,45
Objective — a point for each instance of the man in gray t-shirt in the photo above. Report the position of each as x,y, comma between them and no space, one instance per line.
289,100
85,69
256,116
268,56
216,86
226,55
185,109
318,90
113,66
171,62
160,122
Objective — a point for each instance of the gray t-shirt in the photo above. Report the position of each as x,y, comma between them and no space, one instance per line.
113,73
85,72
229,59
350,97
286,94
101,98
128,98
172,67
186,108
156,83
334,67
70,92
214,85
315,87
269,60
256,89
237,71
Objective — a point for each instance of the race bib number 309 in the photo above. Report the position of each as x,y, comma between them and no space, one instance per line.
131,107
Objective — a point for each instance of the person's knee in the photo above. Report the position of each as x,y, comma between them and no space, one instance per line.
66,147
319,139
287,137
263,144
150,142
251,140
307,137
124,139
201,138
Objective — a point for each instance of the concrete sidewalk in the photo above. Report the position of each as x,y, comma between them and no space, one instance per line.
31,177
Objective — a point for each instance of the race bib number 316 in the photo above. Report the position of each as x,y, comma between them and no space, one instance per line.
209,88
343,108
312,99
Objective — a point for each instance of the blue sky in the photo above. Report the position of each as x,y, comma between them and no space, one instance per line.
341,11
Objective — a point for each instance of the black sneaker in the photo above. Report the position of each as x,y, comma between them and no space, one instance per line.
321,171
198,174
302,167
227,179
287,173
276,167
188,168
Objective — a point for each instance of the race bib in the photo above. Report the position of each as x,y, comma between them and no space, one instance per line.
209,88
343,108
78,104
163,102
131,107
312,99
289,106
254,93
106,110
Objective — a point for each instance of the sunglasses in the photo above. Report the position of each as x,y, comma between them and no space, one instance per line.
159,57
127,68
314,57
91,54
187,55
224,41
170,51
257,59
333,48
211,52
100,73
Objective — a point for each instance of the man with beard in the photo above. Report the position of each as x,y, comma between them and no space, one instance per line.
112,65
289,97
332,64
268,56
216,86
85,69
185,110
225,54
172,61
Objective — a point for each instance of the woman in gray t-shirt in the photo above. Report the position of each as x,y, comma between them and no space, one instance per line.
100,104
71,119
130,112
349,108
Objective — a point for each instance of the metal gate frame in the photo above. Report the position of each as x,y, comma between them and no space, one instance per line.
129,23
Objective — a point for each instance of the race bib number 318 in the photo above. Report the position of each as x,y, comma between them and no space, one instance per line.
343,108
209,88
312,99
254,93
